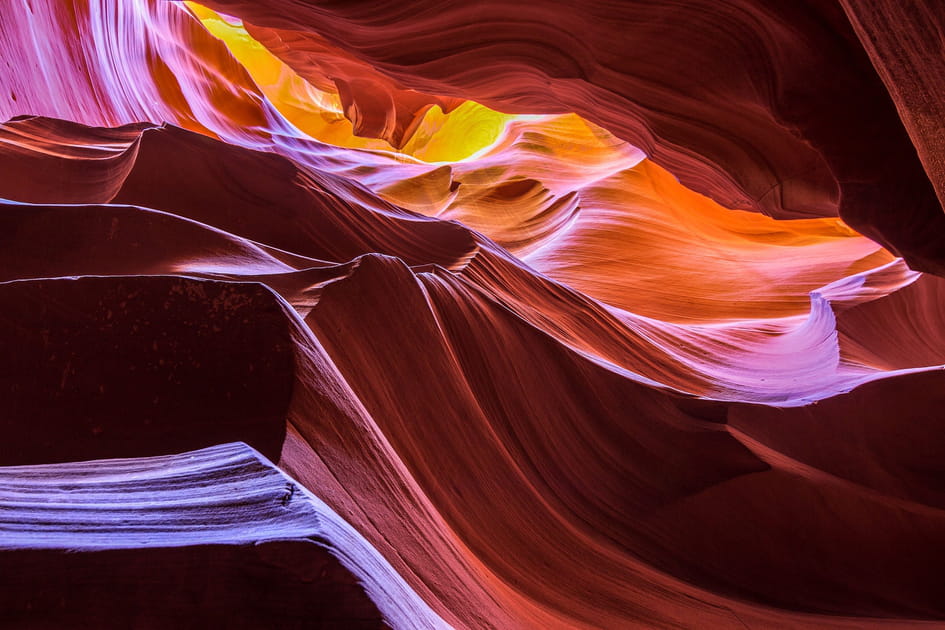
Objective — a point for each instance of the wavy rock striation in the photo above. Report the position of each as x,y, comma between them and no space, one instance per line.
109,543
543,385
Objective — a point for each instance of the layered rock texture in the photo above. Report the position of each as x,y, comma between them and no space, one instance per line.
472,314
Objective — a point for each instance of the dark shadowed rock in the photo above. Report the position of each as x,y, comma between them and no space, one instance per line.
132,366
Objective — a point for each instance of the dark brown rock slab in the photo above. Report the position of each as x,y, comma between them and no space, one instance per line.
97,367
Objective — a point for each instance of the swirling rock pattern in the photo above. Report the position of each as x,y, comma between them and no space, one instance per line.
559,316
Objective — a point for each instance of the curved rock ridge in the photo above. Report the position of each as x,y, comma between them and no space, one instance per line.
567,197
724,341
548,406
208,525
539,384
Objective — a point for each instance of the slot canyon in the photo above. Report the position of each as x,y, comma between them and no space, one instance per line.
472,314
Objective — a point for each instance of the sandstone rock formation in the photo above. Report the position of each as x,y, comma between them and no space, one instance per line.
557,315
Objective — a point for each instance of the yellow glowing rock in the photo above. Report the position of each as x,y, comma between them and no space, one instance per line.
439,137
